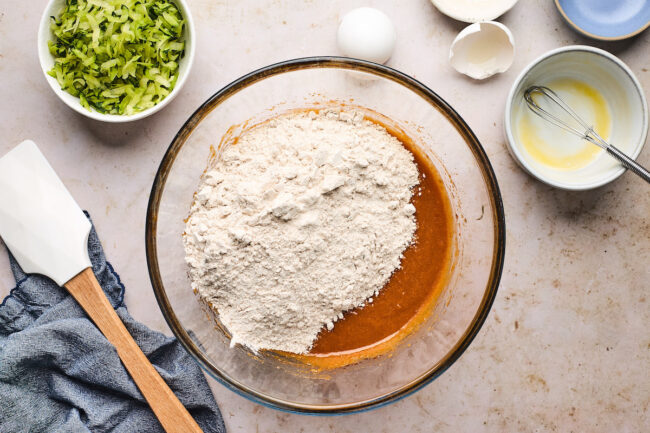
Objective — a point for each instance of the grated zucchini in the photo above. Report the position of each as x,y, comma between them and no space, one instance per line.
117,56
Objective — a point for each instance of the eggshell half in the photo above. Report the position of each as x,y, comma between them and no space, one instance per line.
473,11
482,50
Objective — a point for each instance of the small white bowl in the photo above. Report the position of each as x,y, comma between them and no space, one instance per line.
472,11
47,61
620,88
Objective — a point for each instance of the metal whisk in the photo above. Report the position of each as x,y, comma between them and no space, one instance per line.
580,129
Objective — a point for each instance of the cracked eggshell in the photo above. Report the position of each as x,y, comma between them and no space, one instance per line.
482,50
473,11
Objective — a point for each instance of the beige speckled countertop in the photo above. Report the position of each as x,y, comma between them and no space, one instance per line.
566,346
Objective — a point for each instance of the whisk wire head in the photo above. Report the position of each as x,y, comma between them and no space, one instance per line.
586,131
582,130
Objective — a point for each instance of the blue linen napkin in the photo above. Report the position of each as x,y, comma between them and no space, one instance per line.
59,374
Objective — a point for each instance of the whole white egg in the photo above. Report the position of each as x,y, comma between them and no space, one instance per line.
368,34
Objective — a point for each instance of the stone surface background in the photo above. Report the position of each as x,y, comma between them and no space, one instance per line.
566,346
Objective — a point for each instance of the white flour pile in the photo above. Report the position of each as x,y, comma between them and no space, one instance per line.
305,217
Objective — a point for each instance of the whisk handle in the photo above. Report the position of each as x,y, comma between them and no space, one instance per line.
629,163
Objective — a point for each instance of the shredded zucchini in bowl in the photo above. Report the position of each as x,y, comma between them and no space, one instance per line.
117,56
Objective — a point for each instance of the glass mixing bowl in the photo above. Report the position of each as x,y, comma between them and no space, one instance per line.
479,241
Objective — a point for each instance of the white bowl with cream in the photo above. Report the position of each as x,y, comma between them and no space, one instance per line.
600,88
474,11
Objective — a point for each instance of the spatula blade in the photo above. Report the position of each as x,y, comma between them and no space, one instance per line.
41,224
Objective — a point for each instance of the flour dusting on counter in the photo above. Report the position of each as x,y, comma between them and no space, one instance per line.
304,218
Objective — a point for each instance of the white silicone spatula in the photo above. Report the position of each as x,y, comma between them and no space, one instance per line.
47,233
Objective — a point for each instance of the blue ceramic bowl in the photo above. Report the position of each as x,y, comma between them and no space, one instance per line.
606,19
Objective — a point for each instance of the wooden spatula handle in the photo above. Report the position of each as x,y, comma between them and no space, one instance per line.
165,405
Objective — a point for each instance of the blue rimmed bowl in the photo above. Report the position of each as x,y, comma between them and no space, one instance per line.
608,20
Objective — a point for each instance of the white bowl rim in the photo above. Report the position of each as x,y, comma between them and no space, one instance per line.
608,176
441,5
43,37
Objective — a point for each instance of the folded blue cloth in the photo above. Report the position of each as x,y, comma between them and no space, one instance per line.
59,374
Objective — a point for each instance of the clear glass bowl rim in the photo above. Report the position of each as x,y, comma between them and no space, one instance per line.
313,63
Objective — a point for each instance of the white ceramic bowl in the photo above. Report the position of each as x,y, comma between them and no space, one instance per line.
620,88
47,61
474,11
